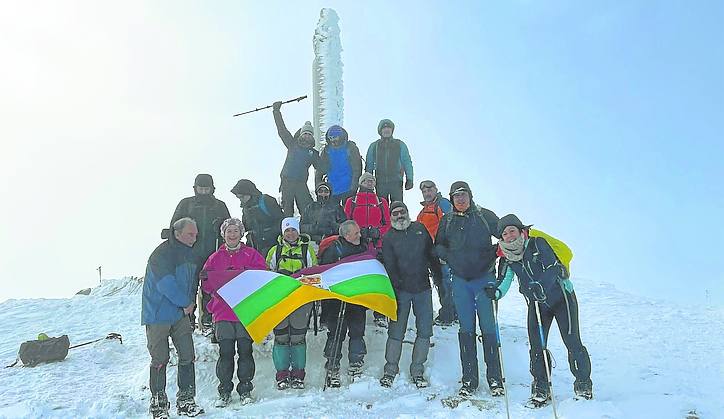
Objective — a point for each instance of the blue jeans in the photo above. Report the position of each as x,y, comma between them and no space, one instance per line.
447,309
470,300
421,303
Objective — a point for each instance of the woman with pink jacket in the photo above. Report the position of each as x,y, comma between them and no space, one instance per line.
230,333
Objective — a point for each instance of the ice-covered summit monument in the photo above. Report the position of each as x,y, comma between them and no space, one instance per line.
327,75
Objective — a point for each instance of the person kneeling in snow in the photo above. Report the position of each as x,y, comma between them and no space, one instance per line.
544,282
168,300
291,254
233,337
409,258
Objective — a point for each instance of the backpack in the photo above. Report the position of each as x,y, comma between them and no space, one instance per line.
34,352
303,257
563,253
328,242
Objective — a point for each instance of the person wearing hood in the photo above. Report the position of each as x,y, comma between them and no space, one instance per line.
389,160
169,290
543,281
292,253
370,211
463,240
340,162
261,215
322,218
409,259
208,212
434,207
300,155
232,336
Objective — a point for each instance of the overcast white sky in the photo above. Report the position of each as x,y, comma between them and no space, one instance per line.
599,123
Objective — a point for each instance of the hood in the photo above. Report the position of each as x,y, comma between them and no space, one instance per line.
245,187
336,131
385,123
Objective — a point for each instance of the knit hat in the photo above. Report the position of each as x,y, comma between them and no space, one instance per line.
245,187
290,222
460,186
427,183
204,180
366,176
232,222
397,204
385,123
510,220
307,128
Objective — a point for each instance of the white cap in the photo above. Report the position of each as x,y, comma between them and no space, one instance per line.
290,222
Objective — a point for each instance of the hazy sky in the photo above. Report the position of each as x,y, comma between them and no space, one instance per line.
599,122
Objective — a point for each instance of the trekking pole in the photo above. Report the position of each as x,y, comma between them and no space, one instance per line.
110,336
545,358
300,98
336,338
500,356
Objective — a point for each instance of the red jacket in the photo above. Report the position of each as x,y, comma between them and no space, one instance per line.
369,210
223,260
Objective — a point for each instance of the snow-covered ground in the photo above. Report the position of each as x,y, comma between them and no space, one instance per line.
650,360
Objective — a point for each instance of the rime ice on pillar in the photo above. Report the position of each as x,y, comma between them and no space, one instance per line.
327,75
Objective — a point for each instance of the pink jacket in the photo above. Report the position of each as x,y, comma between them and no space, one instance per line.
224,260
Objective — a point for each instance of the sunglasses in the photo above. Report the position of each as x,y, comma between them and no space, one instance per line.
398,212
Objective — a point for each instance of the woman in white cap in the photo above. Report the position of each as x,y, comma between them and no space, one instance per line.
291,254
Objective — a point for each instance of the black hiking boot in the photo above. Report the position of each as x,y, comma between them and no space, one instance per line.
466,390
583,389
188,407
386,381
159,406
420,382
223,400
332,379
496,387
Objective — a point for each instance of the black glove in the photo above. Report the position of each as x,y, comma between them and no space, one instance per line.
491,291
276,105
409,184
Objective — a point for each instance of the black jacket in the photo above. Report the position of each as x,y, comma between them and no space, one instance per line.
322,219
340,249
209,213
463,240
409,258
539,264
262,221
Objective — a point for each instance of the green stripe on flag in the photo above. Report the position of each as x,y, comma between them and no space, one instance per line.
265,297
365,284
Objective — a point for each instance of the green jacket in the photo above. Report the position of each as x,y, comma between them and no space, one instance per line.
290,258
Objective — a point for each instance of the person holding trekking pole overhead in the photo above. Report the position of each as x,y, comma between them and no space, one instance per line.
543,280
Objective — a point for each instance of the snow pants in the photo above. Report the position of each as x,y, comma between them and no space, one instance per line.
157,336
566,315
391,190
234,339
290,345
444,291
294,191
353,324
421,304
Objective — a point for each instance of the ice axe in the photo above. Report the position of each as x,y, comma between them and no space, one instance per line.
300,98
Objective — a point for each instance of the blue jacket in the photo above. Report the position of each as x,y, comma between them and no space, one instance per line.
463,241
388,159
296,165
169,285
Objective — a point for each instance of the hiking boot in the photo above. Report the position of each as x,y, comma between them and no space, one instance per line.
283,384
420,382
540,396
245,398
332,379
355,368
386,381
159,406
466,390
188,407
296,383
223,400
583,389
496,387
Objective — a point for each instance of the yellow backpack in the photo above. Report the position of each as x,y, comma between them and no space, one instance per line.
562,251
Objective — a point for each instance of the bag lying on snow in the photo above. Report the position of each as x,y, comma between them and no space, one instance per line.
34,352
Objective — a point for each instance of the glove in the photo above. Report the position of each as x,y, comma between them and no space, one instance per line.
491,291
409,184
276,105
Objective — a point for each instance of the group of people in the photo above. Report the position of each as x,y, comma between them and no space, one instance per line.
355,212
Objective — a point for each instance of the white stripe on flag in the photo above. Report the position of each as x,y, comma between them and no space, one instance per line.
349,270
244,284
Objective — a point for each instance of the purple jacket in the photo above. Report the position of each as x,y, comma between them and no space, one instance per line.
223,260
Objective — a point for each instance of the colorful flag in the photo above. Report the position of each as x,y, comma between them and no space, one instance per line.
262,299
